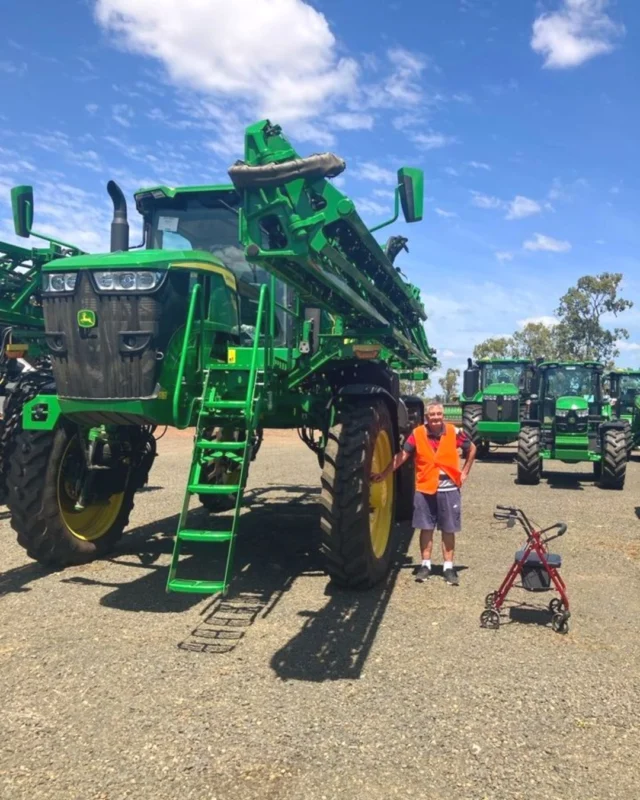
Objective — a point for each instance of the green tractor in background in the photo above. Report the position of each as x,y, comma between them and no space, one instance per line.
571,421
262,303
493,400
624,387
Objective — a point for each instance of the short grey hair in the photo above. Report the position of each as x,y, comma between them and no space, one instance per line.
434,405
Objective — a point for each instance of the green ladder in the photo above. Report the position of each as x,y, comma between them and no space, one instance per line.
245,415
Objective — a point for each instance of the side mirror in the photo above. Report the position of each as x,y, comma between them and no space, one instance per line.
22,208
411,190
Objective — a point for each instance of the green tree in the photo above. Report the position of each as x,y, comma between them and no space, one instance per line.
496,347
536,340
449,384
580,333
416,388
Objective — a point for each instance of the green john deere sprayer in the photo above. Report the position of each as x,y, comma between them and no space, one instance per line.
571,421
264,303
493,399
625,399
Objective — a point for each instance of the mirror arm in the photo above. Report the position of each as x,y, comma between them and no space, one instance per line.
395,215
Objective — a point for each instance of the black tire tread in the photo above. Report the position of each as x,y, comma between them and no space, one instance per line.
528,456
344,525
614,459
34,508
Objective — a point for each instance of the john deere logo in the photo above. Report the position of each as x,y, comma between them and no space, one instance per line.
87,319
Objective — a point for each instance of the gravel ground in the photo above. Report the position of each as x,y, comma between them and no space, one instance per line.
114,689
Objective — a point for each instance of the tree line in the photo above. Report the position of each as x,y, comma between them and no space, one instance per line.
577,334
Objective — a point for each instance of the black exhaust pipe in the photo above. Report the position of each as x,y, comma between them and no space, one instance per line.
119,224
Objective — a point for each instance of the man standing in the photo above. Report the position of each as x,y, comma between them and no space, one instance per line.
437,500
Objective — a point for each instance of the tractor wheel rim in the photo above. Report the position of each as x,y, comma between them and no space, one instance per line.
381,496
95,520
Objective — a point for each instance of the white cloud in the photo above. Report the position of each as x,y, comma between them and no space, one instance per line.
485,201
600,241
628,347
11,68
544,319
369,171
92,107
387,194
122,114
448,354
451,171
281,57
462,97
504,255
447,214
578,31
521,207
349,121
366,206
478,165
403,84
433,141
542,242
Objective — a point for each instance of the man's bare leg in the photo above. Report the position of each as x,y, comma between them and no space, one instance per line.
448,550
426,546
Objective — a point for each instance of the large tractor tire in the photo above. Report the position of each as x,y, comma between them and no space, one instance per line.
358,515
42,488
471,416
614,459
529,463
27,386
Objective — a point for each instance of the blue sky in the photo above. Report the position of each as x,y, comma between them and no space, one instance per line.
523,115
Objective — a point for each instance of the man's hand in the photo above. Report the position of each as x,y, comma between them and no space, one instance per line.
463,478
378,477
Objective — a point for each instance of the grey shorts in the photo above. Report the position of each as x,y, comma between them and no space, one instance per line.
441,510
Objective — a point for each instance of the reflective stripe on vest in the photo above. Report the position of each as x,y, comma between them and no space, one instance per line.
429,462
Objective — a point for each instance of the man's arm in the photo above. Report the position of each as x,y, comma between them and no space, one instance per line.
398,460
468,462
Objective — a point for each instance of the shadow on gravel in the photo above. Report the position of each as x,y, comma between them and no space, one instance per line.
638,512
17,579
277,542
530,615
334,643
568,480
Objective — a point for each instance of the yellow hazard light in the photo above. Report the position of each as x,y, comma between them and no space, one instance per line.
16,350
366,350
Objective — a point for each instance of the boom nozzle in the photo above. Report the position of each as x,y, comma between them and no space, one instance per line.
119,224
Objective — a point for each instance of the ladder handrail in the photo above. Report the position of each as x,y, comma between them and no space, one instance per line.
196,289
260,322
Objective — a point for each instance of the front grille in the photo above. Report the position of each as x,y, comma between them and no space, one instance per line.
117,358
572,424
503,409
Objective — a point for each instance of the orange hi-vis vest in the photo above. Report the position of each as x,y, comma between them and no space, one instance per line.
430,462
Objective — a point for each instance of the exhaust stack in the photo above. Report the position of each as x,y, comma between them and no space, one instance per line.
119,224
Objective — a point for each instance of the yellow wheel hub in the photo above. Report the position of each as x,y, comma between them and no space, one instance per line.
95,520
381,496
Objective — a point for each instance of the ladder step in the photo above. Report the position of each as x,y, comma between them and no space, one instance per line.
191,535
195,587
213,488
225,404
207,444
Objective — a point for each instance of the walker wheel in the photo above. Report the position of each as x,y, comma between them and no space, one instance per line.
560,623
490,600
490,619
556,605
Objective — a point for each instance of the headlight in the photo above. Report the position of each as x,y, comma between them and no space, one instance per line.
562,412
59,281
583,412
125,281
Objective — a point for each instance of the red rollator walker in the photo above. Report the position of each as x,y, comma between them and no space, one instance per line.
538,567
